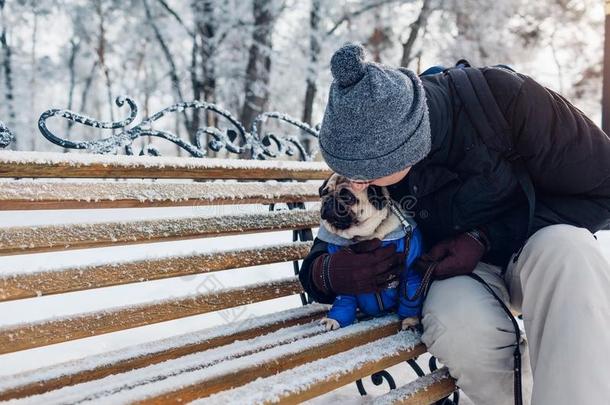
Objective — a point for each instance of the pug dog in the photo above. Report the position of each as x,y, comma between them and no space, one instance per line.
355,216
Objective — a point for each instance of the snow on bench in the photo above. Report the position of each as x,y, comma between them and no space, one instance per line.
315,378
62,329
425,390
45,238
205,373
61,165
138,356
36,194
16,285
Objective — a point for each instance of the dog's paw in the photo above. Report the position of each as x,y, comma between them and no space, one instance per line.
329,324
409,323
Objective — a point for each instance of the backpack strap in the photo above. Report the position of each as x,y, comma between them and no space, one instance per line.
478,100
479,103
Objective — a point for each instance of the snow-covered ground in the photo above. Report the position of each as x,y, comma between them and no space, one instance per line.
72,303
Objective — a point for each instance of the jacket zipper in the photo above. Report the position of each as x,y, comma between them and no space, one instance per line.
379,301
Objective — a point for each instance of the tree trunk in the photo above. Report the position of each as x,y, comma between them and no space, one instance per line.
207,29
312,69
8,77
101,57
258,69
415,28
173,71
87,87
33,83
378,40
467,31
195,81
74,48
203,69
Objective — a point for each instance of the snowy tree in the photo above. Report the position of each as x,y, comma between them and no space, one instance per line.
256,55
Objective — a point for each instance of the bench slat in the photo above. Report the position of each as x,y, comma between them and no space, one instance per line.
28,285
99,366
60,165
14,338
423,391
39,195
46,238
313,379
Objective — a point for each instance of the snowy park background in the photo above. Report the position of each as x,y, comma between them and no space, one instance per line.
256,55
247,56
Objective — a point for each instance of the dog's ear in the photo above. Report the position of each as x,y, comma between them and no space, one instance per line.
347,197
376,197
322,190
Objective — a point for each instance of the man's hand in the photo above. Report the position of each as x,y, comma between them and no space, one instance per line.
458,255
361,268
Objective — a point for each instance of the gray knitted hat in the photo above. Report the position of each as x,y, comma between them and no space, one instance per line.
376,120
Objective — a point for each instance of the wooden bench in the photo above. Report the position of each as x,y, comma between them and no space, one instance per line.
278,357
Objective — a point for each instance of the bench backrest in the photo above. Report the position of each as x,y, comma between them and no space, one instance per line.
46,181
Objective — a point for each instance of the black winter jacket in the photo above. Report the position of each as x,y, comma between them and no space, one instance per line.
462,184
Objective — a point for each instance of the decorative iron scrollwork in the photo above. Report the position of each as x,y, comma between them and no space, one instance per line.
235,139
6,136
377,379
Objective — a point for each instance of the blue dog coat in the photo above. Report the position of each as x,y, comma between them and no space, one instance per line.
389,300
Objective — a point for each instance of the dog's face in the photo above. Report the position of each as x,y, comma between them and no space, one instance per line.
351,214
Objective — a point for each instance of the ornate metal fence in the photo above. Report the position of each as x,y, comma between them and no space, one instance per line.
235,139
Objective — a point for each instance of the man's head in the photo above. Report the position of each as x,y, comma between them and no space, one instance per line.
376,121
384,181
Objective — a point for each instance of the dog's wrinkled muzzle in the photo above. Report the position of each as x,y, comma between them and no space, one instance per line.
337,213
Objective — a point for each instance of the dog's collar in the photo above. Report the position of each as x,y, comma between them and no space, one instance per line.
329,237
404,220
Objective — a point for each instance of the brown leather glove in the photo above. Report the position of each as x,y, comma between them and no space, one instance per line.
458,255
361,268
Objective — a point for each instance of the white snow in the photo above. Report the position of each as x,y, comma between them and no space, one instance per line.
74,322
298,379
172,264
159,346
81,160
103,233
195,368
154,191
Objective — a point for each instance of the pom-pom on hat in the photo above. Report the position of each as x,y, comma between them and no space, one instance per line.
376,120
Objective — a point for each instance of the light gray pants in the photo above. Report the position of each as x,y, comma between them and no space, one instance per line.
561,284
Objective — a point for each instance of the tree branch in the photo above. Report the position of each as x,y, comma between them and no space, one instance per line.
175,80
368,7
174,14
416,26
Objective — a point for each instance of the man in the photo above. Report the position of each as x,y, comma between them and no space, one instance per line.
388,127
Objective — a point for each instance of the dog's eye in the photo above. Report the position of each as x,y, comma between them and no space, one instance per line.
347,197
376,197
